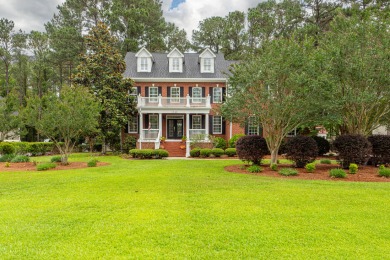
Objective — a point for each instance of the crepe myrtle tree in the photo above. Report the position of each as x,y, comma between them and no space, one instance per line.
278,88
65,117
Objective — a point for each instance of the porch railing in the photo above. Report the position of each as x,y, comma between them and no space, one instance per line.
150,134
198,134
183,102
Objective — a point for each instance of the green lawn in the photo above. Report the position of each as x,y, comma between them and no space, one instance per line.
175,209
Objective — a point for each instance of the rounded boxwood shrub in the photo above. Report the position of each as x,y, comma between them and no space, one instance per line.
255,169
46,166
205,152
217,152
20,158
231,152
384,172
55,159
219,142
288,172
148,153
323,145
302,150
252,148
195,152
92,163
161,153
7,157
352,149
7,148
337,173
380,149
232,141
353,168
310,167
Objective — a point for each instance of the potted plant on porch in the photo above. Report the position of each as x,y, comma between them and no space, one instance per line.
162,141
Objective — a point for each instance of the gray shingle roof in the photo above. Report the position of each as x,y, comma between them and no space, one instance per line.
191,67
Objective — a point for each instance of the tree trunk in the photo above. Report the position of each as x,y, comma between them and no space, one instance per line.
274,156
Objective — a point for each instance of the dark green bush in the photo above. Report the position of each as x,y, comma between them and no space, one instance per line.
352,149
7,157
46,166
20,158
353,168
380,149
92,163
252,148
195,152
310,167
274,167
55,159
255,169
323,145
219,142
337,173
161,153
217,152
384,172
148,153
326,161
231,152
7,148
205,152
302,150
233,140
129,143
288,172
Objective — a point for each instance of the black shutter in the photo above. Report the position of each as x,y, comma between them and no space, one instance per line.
260,131
223,94
146,125
168,91
138,90
211,94
246,128
190,91
127,127
211,125
181,91
146,91
203,121
160,90
203,92
223,126
190,122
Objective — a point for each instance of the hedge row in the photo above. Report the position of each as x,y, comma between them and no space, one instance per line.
217,152
33,148
148,153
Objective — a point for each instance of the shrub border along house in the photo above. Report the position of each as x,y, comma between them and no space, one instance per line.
148,153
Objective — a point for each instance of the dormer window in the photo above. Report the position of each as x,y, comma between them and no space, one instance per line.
207,65
144,64
144,60
175,59
207,61
176,64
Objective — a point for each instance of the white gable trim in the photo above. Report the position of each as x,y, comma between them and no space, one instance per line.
175,51
205,52
148,54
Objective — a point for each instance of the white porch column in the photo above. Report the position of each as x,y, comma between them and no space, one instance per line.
159,100
188,142
159,125
141,128
188,101
207,127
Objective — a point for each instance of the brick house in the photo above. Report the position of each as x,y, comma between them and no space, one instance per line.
177,99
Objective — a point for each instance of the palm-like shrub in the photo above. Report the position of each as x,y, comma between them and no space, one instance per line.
352,149
252,148
302,150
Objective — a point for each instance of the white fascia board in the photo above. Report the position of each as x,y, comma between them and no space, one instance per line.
179,79
170,110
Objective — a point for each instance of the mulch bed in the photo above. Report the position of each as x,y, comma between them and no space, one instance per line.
364,174
29,166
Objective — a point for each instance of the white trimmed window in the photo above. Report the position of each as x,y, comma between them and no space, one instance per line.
217,95
207,65
175,95
196,95
153,121
253,127
217,124
175,65
196,122
133,125
153,94
144,64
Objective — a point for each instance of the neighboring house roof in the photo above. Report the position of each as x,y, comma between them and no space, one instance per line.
191,67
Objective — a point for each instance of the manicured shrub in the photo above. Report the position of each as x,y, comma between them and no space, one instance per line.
219,142
195,152
129,143
20,158
353,168
7,148
323,145
161,153
217,152
234,139
148,153
205,152
252,148
384,172
7,164
310,167
92,163
302,150
352,149
55,159
255,169
288,172
274,167
337,173
326,161
380,149
231,152
7,157
46,166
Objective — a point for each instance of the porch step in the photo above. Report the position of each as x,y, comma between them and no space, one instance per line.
174,149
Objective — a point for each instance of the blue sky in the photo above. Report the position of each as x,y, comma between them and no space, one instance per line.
175,3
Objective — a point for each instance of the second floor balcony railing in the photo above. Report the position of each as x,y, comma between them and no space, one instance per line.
174,102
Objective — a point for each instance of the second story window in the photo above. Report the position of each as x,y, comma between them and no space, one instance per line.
217,95
133,125
153,94
207,65
144,64
197,95
175,95
253,126
176,65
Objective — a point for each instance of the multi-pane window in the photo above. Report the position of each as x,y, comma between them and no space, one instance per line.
217,95
207,64
197,95
217,124
144,64
196,122
175,95
153,94
153,122
176,64
253,126
133,125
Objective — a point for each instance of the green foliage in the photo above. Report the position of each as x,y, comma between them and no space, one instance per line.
352,149
20,158
231,152
149,153
7,148
385,172
325,161
310,167
195,152
219,142
337,173
46,166
252,148
7,157
92,163
302,150
7,164
274,167
255,169
288,172
233,140
217,152
129,143
353,168
205,152
55,159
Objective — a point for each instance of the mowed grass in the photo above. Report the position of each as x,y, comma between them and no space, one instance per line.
193,209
